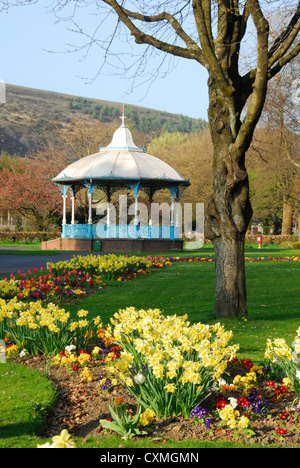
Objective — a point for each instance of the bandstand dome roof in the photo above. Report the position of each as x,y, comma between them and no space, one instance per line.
119,162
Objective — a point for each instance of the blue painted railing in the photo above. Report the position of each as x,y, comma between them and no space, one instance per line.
119,231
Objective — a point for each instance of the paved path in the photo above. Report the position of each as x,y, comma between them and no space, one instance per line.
14,263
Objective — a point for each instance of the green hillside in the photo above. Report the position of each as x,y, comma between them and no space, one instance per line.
30,117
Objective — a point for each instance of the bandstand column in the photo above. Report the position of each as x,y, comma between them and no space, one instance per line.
177,218
173,191
64,219
150,212
73,207
73,210
108,206
108,222
135,188
91,189
90,219
136,200
90,198
64,193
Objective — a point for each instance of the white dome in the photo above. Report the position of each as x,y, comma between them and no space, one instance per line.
121,160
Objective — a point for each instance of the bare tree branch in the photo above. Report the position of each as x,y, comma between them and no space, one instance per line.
192,51
261,78
290,30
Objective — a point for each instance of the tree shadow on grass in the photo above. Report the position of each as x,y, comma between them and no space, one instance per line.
16,431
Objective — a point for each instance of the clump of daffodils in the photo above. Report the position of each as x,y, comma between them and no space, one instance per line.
8,288
44,329
287,358
167,363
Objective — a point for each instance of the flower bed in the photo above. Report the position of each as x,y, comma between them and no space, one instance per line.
77,277
171,380
175,378
106,266
49,286
85,398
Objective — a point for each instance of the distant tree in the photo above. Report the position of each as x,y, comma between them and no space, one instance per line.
281,117
82,138
190,154
26,189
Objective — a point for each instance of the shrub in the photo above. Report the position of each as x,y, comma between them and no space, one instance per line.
27,236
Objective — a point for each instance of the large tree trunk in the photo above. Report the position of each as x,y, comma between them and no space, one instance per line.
228,212
231,297
228,240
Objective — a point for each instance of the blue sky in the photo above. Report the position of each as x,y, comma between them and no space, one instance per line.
34,54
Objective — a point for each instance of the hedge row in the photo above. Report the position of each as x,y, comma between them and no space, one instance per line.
16,236
270,239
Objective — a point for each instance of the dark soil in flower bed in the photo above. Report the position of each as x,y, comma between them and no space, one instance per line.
81,405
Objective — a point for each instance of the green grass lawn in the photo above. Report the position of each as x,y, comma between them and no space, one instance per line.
273,304
24,396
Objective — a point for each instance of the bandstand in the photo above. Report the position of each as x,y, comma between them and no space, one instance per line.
119,166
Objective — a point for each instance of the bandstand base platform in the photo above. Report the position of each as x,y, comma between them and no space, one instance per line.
113,245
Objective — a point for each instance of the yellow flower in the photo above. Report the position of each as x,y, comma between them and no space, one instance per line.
83,358
33,325
73,326
53,328
56,359
158,371
171,374
170,388
244,423
63,440
87,375
95,351
229,414
97,321
46,445
12,350
128,381
82,313
146,417
83,323
286,381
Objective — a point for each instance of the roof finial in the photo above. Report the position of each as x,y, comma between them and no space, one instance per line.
123,116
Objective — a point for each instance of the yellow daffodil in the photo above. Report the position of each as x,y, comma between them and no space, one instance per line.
63,440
